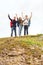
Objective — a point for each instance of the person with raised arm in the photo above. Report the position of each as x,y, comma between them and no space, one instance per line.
12,25
26,23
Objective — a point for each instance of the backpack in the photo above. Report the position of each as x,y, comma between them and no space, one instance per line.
11,24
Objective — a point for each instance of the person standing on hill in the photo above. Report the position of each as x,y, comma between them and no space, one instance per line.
20,25
26,23
12,25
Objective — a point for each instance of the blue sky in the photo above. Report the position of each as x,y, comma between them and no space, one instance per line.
17,6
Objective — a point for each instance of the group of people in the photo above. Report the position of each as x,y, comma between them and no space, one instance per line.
20,22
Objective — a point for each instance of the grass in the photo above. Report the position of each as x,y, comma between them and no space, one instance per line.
23,41
32,45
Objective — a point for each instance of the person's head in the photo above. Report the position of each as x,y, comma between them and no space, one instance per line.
20,18
14,18
26,16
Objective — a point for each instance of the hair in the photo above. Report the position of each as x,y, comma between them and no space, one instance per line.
20,18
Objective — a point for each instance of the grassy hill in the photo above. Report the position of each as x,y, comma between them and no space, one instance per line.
26,50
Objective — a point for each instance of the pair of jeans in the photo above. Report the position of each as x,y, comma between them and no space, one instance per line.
25,29
20,29
13,29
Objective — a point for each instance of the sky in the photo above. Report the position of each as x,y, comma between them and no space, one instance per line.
17,6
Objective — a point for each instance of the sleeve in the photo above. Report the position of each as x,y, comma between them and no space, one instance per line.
18,23
9,17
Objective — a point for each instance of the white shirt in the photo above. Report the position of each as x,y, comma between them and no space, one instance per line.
25,22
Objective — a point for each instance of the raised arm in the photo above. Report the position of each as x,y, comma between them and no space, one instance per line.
16,16
9,17
30,16
22,14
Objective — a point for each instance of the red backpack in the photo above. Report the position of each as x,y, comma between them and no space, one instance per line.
11,24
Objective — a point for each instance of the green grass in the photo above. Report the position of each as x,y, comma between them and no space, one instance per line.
23,41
